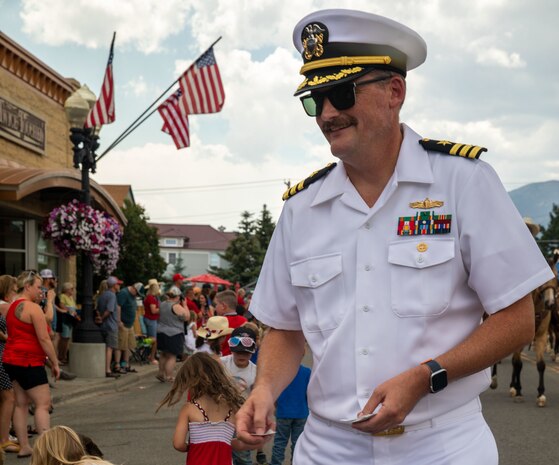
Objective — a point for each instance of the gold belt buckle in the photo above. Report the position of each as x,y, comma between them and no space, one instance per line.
392,431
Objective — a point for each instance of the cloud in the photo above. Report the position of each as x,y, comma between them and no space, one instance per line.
144,25
180,176
136,86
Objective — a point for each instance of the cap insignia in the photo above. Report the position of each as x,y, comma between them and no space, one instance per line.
453,148
308,181
313,37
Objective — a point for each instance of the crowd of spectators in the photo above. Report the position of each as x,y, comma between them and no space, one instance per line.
36,326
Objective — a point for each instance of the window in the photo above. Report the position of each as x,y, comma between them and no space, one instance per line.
172,258
46,255
214,259
170,242
12,246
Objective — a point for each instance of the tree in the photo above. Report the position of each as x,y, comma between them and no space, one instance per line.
139,253
264,228
550,236
244,254
179,265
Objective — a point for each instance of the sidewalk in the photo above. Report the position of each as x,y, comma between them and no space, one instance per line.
78,388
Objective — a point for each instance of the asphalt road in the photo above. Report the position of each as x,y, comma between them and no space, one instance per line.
128,431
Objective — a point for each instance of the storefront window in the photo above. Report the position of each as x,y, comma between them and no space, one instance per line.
46,256
12,246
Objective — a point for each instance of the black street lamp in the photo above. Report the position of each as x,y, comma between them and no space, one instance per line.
85,142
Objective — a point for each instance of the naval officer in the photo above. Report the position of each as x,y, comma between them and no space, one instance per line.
385,264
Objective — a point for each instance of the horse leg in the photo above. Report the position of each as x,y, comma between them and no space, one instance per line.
540,344
541,400
515,387
494,382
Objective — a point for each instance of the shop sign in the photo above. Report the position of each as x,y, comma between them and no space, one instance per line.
21,127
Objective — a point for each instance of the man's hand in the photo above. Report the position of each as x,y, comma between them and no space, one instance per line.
255,416
398,397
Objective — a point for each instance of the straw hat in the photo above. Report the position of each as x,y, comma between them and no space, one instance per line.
533,227
215,327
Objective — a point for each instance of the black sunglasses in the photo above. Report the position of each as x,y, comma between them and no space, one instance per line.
342,96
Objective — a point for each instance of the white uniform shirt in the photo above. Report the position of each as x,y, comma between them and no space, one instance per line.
371,305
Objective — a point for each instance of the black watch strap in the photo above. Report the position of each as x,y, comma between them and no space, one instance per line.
438,380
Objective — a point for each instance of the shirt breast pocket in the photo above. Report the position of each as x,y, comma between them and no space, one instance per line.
319,291
421,276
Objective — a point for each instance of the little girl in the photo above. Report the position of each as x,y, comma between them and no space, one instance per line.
211,336
205,427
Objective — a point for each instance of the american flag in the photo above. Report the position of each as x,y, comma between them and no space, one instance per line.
103,112
201,86
175,119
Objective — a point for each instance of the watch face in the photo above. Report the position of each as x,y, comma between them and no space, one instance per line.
438,381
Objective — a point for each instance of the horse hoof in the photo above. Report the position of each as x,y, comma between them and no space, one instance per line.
512,392
541,401
494,382
518,399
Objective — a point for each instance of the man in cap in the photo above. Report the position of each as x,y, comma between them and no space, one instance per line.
385,263
128,304
50,300
109,314
178,280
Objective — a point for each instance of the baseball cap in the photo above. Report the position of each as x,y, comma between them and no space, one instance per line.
178,277
140,289
46,274
242,340
112,280
174,291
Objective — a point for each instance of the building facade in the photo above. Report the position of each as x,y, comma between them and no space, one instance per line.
198,245
36,161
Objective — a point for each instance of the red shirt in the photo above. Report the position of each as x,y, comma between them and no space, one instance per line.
148,301
234,322
22,346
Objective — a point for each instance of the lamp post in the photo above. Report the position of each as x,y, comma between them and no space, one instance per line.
85,143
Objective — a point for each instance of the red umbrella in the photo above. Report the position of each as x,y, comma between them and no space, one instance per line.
210,279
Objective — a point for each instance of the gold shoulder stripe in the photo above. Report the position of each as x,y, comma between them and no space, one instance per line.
308,181
453,148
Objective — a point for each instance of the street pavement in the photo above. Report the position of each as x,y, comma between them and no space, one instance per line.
119,414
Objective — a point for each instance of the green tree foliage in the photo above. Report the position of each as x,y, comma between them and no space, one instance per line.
139,248
550,235
264,227
245,254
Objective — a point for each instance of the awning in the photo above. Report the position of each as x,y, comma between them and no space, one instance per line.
18,183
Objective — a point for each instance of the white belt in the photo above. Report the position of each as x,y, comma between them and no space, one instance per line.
470,408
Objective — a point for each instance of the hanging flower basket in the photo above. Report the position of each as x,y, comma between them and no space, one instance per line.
76,227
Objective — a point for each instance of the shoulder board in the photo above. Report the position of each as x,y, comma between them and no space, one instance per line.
308,181
452,148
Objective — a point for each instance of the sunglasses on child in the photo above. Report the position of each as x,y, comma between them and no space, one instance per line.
245,341
342,96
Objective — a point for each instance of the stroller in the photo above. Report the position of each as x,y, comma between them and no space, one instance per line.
143,349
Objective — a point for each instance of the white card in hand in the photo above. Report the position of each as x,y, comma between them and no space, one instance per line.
267,433
362,417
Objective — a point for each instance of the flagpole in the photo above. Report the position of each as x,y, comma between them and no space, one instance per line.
134,126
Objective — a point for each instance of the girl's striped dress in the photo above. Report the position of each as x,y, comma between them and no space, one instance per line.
210,442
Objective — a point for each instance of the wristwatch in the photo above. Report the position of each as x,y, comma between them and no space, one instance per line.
438,380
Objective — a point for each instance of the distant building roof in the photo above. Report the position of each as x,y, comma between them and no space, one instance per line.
197,236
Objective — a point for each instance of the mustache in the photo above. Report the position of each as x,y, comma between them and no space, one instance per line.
337,123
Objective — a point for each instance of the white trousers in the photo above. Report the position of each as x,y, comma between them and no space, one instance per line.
466,440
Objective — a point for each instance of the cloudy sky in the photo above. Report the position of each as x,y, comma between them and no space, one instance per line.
490,79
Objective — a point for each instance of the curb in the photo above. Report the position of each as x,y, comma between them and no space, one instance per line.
68,393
